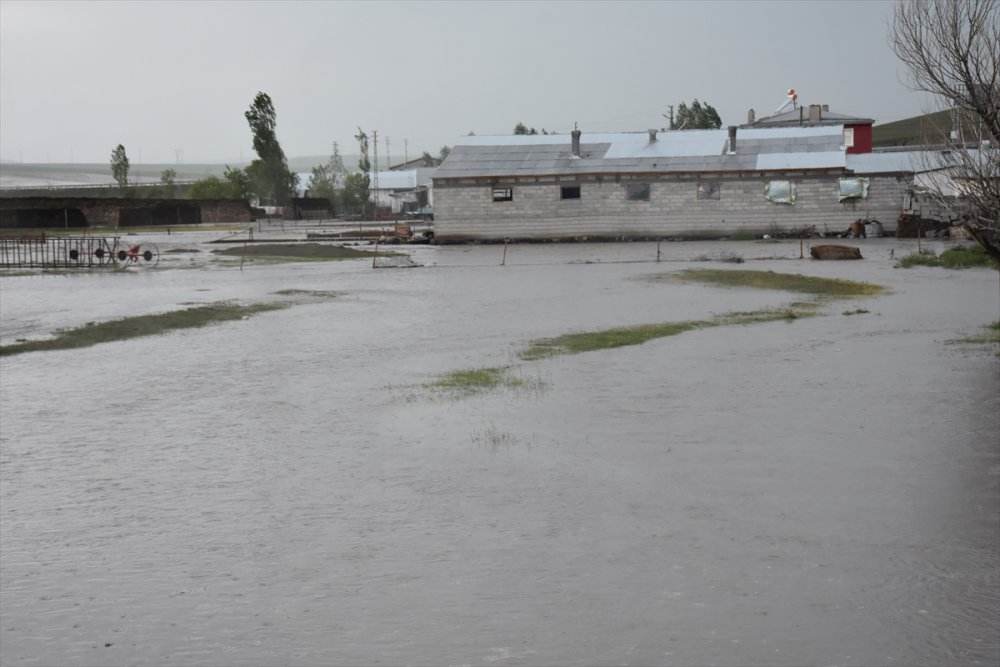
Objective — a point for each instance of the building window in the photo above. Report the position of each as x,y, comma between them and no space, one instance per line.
637,192
848,137
503,194
569,192
853,188
709,190
780,192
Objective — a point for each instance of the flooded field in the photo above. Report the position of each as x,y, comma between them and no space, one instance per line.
298,487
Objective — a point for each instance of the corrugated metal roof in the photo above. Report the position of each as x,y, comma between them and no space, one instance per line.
778,161
633,152
891,162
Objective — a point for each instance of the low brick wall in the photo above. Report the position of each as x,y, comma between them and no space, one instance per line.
77,212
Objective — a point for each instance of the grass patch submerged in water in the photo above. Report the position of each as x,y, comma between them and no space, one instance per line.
960,257
299,252
470,381
588,341
94,333
991,337
319,293
790,282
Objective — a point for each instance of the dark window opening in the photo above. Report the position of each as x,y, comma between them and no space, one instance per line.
709,190
638,192
569,192
503,194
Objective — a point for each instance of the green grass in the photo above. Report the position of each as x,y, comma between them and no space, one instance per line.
743,236
309,292
991,337
472,381
857,311
295,252
94,333
588,341
959,257
790,282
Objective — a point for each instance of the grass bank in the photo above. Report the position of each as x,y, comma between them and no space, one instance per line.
588,341
789,282
94,333
990,337
961,257
300,252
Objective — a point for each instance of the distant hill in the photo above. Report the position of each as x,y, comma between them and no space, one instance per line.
18,174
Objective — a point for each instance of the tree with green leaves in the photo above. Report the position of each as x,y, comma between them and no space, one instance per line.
354,196
234,185
444,152
119,165
322,183
365,165
272,181
698,116
327,178
167,185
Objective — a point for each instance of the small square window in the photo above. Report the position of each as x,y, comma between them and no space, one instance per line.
853,188
638,192
780,192
709,190
503,194
569,192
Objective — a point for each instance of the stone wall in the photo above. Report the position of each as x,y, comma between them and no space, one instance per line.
467,211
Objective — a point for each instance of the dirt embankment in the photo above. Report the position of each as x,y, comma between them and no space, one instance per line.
296,250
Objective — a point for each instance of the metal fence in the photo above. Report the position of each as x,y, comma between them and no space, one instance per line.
58,252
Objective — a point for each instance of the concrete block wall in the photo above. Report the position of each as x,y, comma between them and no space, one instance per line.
468,212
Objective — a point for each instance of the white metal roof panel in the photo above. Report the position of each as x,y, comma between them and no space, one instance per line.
890,162
819,160
789,132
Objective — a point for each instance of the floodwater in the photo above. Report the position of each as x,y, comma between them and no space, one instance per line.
284,490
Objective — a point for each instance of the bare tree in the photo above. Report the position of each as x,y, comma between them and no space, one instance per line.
950,48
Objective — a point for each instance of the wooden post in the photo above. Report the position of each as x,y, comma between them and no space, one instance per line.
375,256
503,262
802,236
658,251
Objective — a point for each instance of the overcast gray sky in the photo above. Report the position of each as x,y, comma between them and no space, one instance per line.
78,78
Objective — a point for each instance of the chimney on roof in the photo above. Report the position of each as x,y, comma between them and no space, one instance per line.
575,137
815,113
652,135
732,139
751,117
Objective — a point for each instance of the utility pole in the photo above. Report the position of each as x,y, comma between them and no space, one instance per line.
375,169
388,160
406,151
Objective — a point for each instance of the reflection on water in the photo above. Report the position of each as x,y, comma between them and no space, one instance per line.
281,491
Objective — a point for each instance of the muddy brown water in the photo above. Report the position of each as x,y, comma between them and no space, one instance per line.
284,491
